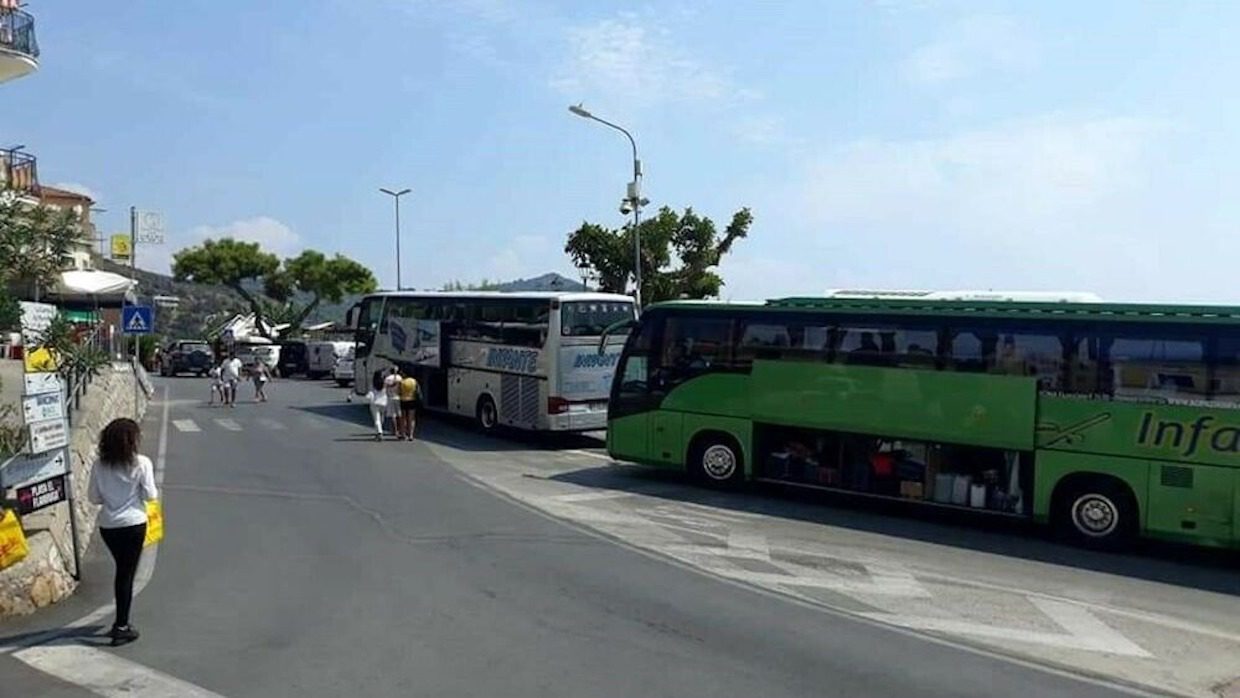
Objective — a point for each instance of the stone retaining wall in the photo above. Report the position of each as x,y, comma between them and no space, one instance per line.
45,576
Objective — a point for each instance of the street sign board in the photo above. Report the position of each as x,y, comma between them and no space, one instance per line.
24,470
36,408
48,435
40,383
34,497
36,318
137,319
150,228
121,246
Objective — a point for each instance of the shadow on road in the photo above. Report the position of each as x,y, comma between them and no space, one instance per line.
1197,568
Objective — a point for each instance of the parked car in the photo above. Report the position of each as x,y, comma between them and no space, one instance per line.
292,358
186,356
321,357
343,373
251,354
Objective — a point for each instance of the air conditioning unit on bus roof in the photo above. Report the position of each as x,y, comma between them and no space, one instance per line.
1012,296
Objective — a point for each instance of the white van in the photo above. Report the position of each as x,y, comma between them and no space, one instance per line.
321,357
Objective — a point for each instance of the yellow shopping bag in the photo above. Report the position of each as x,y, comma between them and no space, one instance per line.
154,523
13,547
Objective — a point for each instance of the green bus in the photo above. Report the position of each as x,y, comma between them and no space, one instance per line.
1106,420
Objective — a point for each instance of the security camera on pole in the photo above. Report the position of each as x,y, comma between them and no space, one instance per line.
632,202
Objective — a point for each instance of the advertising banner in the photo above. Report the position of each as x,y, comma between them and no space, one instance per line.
414,341
34,497
586,374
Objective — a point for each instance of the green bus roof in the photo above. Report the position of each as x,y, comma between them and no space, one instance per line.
1097,312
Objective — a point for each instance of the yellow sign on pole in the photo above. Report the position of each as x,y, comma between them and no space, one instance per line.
120,246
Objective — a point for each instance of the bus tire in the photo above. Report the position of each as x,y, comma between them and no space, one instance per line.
717,460
1095,511
486,414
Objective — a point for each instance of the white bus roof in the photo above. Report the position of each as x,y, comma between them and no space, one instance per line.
1015,296
520,295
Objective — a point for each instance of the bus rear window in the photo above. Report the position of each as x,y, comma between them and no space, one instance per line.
590,318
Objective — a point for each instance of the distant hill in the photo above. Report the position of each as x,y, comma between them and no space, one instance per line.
550,281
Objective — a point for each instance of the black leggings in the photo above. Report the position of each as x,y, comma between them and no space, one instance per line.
125,544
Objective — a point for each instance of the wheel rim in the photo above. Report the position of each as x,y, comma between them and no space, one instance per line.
1095,515
719,462
487,414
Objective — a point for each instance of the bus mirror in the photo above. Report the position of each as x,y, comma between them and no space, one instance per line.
612,328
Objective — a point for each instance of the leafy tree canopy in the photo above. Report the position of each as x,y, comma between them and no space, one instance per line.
685,239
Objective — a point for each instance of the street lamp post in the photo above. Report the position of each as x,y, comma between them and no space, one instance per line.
632,201
396,197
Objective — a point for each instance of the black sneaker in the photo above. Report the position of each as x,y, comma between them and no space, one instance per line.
123,635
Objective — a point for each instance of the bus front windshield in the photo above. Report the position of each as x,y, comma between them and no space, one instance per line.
590,318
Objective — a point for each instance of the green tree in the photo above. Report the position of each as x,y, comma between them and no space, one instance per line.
35,241
687,239
484,285
318,277
231,263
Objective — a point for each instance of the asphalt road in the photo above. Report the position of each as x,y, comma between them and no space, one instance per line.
304,559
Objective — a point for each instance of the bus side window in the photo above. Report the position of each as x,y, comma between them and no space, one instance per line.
1225,386
1155,364
1085,364
635,373
691,347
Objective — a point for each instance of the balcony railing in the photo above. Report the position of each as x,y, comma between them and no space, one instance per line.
17,32
19,172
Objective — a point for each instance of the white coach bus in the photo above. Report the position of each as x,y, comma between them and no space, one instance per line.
523,360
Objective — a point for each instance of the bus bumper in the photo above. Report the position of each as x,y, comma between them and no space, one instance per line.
584,420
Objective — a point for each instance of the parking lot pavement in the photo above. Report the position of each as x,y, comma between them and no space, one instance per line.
1151,620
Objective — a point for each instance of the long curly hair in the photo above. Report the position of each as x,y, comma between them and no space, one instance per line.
118,443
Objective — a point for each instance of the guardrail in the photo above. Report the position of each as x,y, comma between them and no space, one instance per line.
17,32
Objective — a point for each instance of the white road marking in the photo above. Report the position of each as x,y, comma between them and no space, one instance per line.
268,423
1084,630
106,674
229,424
185,425
589,496
590,454
748,545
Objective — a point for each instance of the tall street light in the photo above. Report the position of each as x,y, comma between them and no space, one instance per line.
396,197
632,201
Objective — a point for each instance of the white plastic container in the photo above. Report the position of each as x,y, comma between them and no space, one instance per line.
943,487
977,496
960,489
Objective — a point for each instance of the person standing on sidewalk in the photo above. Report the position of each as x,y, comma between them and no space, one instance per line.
122,481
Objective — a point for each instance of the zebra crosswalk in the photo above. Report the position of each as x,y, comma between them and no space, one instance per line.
192,426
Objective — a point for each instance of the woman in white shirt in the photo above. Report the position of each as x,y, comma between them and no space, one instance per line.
377,398
122,481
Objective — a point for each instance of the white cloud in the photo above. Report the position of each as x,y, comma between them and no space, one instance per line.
272,235
78,188
622,59
972,46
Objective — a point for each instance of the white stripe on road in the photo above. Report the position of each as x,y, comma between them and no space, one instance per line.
185,425
590,496
229,424
106,674
271,424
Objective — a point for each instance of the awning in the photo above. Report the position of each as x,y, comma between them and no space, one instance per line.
102,287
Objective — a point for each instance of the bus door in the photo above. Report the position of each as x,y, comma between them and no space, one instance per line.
634,398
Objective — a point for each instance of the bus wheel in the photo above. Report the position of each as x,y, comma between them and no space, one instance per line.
1096,512
487,415
717,461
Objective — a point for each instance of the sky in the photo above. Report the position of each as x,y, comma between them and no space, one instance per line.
880,143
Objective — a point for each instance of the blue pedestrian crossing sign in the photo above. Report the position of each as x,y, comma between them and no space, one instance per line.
137,319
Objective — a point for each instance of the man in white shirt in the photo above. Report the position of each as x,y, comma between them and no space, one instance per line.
230,373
